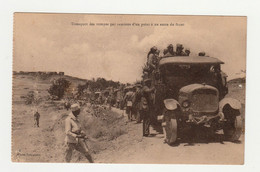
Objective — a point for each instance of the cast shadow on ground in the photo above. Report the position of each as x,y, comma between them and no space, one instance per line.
200,135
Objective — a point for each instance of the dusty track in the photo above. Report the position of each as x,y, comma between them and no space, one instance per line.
133,148
43,145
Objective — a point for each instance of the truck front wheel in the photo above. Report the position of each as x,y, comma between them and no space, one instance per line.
171,131
233,128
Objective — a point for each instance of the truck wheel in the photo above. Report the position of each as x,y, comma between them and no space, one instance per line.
233,128
171,131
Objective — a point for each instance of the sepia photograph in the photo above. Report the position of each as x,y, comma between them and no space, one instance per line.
128,89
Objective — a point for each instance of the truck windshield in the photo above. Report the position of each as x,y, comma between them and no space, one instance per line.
181,75
187,70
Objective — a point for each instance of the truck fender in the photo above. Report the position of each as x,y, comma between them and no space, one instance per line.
171,104
235,104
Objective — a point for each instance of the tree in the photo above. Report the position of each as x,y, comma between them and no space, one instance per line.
81,89
59,87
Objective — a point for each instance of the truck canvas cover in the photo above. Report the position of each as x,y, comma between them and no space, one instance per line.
190,60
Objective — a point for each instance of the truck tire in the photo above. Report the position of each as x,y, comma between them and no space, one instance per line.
233,128
171,131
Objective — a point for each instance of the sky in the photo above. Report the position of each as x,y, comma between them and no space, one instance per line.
53,42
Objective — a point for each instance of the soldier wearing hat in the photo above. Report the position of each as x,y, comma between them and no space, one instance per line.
169,52
146,105
152,59
75,137
179,50
165,51
187,51
202,53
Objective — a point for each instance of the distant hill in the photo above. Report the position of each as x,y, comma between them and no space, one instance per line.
238,80
25,82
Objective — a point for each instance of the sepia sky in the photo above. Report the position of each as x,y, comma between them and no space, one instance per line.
49,42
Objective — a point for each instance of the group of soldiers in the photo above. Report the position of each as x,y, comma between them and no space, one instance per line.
138,100
138,103
169,52
153,56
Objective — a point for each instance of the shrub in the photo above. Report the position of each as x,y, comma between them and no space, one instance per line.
31,98
59,87
105,125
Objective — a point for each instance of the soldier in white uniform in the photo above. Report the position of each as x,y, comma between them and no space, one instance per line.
75,137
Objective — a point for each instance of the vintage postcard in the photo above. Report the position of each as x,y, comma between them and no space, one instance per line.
139,89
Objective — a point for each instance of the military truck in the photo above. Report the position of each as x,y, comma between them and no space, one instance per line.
190,91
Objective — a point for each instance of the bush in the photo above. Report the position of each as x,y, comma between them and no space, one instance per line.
59,87
105,125
31,98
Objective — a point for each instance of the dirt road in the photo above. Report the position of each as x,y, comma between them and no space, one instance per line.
44,144
133,148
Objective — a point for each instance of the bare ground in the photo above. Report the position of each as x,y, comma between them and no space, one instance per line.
45,144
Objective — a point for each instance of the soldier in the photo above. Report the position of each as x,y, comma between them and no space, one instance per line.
67,105
146,106
151,59
136,102
109,102
202,53
187,51
75,137
165,51
128,99
169,52
179,50
152,51
145,75
36,116
158,57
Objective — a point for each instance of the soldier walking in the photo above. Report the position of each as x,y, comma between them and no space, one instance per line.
146,109
128,99
109,102
36,116
75,137
137,102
